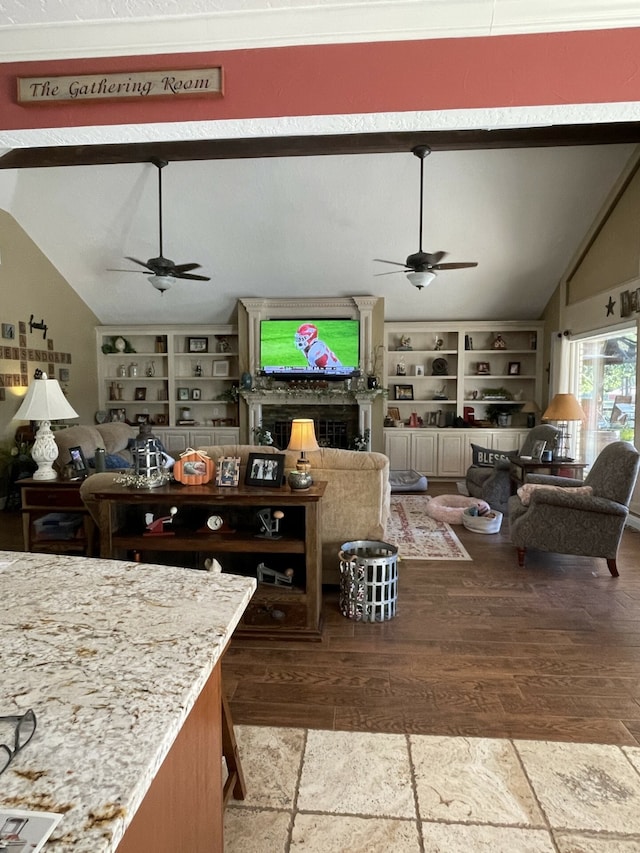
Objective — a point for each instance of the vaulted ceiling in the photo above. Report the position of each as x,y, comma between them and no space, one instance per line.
308,218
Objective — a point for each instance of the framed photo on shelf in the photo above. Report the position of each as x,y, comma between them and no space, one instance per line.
265,469
161,420
221,368
483,368
394,413
514,368
143,418
197,345
140,394
196,394
419,370
403,392
117,415
228,471
183,394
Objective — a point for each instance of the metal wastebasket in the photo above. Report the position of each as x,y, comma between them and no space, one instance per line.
368,580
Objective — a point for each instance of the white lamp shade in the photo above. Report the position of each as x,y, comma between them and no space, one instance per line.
45,401
161,282
303,435
421,279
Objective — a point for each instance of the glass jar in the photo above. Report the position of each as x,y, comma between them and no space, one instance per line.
122,370
133,369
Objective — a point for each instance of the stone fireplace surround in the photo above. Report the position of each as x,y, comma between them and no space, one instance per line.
351,407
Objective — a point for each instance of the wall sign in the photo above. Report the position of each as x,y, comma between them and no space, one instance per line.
199,82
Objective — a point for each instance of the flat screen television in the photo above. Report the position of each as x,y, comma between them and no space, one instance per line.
310,349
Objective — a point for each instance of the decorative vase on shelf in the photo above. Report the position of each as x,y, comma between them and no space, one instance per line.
299,480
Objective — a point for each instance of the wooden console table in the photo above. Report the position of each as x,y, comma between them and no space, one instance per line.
41,497
290,611
519,468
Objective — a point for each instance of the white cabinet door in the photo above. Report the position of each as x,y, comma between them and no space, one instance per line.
174,440
509,439
397,446
424,455
226,435
201,437
451,447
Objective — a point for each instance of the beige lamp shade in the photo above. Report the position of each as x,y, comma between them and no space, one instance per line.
530,408
564,407
303,439
45,402
303,436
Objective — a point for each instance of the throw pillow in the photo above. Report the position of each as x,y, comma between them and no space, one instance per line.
525,492
486,457
112,461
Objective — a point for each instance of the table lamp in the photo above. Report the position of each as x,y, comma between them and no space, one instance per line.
44,402
530,409
562,409
302,440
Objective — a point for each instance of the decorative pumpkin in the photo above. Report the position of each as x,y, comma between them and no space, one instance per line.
194,468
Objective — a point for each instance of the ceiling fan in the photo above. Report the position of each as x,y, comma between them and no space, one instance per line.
420,267
164,270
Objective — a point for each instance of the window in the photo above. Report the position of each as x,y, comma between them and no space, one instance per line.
604,376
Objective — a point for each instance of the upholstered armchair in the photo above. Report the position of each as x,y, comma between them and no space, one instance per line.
565,520
491,482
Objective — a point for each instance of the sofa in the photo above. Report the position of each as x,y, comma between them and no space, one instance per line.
356,503
112,437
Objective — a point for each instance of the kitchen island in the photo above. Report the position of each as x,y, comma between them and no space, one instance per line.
121,664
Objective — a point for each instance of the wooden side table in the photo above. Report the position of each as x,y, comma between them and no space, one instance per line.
40,497
519,468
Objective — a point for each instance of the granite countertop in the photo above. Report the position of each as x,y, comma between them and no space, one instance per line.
111,656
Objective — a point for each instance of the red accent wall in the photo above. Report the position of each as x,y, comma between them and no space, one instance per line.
466,73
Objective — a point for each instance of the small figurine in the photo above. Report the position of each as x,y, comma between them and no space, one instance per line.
439,343
405,343
157,526
401,368
270,576
499,342
270,523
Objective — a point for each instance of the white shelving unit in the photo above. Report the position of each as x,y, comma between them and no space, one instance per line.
456,370
170,370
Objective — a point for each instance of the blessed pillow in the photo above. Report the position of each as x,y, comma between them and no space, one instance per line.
486,457
525,492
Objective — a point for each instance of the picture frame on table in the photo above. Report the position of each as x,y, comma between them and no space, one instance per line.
228,471
265,470
394,413
197,345
514,368
537,449
78,463
220,367
403,392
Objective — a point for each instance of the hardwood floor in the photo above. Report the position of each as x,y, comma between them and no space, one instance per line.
481,648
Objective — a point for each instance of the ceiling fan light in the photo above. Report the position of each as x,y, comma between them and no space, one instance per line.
421,279
161,282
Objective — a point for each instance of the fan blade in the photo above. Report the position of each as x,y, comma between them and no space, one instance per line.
191,276
393,272
383,261
186,267
435,258
141,272
142,263
458,266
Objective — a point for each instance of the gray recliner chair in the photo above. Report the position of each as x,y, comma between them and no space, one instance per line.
493,484
566,522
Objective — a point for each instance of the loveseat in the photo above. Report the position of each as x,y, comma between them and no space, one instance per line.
112,437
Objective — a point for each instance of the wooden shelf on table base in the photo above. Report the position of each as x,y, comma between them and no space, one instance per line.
290,612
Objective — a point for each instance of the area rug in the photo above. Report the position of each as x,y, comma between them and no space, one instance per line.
419,537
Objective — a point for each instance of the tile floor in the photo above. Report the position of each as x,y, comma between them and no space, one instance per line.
332,791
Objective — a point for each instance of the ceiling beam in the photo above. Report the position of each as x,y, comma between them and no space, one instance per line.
301,146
